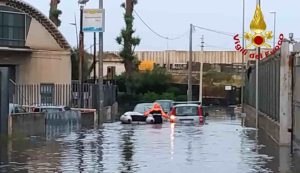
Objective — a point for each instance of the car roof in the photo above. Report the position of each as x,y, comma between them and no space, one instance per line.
12,104
144,104
164,101
50,107
188,104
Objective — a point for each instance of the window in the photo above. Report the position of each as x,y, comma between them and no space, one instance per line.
13,27
187,111
111,71
47,94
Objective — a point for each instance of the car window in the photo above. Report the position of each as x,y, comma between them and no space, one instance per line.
16,109
187,111
21,109
165,105
141,108
36,110
51,110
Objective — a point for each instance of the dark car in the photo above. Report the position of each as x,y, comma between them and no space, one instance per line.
166,105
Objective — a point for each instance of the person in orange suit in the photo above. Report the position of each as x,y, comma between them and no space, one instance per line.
156,109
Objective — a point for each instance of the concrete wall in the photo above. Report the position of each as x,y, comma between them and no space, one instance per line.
39,38
45,67
172,56
270,126
110,113
40,66
31,124
40,124
286,102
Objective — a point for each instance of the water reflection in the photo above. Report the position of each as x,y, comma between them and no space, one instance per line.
220,146
127,149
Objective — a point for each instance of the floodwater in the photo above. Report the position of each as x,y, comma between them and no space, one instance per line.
221,145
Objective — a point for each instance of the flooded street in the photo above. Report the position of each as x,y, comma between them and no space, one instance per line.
222,145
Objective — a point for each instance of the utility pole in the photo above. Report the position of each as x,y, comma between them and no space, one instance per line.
201,72
190,87
243,60
256,83
94,58
202,43
274,30
100,68
81,57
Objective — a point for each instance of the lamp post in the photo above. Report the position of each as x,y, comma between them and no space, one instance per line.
75,25
81,50
274,35
256,81
243,59
190,84
100,68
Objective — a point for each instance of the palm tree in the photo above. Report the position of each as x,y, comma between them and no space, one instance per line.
55,12
127,40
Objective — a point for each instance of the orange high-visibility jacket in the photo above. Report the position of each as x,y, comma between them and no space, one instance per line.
156,108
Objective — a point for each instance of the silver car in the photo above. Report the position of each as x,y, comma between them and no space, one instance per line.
191,113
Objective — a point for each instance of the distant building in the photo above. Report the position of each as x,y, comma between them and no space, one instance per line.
177,61
32,46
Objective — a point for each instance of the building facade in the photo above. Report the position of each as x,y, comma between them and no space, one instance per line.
32,46
177,61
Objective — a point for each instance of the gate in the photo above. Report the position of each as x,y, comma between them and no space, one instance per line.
296,101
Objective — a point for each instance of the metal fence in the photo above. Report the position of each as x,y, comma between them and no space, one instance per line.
268,87
296,100
62,94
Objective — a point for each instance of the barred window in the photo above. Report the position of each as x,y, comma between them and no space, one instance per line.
47,94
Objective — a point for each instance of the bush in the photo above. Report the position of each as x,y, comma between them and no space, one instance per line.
150,97
168,96
181,98
173,90
157,81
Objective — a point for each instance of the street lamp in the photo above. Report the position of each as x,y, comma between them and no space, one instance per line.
81,50
75,25
256,81
274,35
243,59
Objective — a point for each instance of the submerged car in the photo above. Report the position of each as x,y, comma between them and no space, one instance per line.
50,109
187,112
156,114
166,105
137,115
16,109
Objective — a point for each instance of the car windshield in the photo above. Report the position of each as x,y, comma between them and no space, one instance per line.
51,110
166,105
141,108
187,111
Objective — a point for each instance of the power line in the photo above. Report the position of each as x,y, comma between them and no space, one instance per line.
156,33
215,31
218,47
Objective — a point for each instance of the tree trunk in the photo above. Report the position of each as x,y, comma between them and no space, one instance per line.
53,9
127,44
129,69
129,7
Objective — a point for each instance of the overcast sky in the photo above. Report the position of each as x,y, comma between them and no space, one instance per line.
171,18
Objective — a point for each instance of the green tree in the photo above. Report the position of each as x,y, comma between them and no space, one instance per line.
55,12
87,63
128,42
157,80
